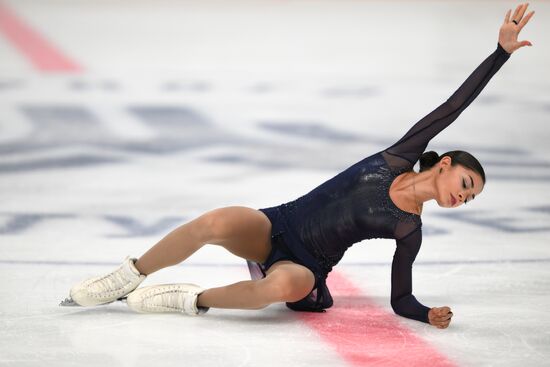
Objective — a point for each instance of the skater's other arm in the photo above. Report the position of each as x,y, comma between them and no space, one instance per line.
403,302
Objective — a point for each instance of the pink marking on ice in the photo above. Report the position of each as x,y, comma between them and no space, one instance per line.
365,334
43,55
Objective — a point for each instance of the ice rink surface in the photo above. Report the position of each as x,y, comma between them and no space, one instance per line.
164,110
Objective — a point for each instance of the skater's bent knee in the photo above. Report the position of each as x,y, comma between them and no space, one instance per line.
214,224
208,225
286,287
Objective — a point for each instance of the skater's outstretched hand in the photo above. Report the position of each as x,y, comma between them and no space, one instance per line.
509,31
440,317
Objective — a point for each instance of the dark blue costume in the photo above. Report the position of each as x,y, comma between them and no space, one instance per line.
316,229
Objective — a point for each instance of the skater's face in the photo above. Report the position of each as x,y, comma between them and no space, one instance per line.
456,185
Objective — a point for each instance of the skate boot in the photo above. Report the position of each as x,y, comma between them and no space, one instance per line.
107,288
167,298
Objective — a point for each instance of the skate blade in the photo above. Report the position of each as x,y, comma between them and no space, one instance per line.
68,302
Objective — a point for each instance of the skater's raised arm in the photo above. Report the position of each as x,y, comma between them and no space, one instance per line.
413,144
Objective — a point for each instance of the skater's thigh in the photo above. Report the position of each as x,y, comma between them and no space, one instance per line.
245,232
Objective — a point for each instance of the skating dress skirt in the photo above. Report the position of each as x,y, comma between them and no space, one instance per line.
286,245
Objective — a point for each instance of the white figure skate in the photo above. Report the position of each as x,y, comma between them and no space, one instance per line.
167,298
106,289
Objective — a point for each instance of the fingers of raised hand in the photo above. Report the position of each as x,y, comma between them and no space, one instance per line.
526,19
507,17
518,15
520,10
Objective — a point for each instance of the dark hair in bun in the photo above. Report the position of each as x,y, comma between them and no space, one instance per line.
465,159
428,160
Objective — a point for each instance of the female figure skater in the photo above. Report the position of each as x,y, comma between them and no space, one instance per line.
292,247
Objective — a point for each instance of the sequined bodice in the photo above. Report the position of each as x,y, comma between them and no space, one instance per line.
352,206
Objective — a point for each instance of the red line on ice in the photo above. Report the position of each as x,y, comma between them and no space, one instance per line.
36,48
364,334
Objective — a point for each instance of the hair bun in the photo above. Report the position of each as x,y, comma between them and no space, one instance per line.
428,160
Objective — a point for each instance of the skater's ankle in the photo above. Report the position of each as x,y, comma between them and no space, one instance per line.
139,266
199,303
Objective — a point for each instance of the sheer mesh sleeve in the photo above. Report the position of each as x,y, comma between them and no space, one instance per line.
412,145
402,300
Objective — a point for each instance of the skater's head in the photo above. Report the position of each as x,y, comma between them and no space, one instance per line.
459,177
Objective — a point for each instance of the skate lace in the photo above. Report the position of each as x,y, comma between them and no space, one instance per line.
111,283
172,298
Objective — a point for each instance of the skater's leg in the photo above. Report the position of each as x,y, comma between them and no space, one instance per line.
245,232
285,282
